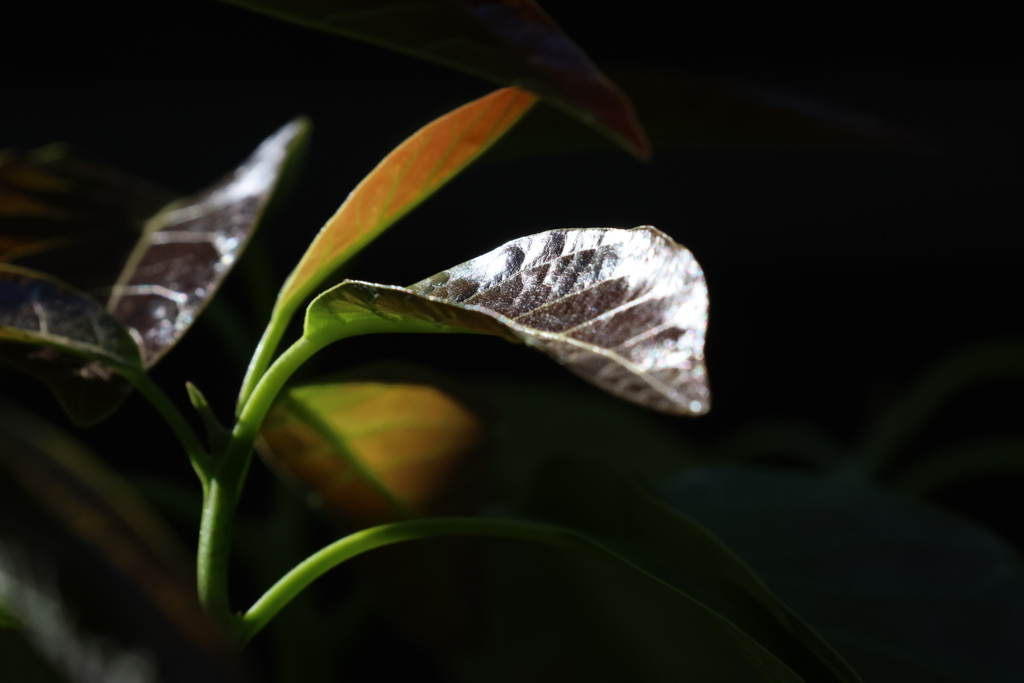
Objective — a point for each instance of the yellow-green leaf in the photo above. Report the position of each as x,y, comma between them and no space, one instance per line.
375,452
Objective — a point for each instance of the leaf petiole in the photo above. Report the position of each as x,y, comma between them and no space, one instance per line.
197,455
329,557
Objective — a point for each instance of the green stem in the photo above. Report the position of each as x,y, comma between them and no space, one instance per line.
271,339
197,455
310,569
226,482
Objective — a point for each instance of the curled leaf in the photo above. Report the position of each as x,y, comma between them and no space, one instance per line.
511,42
189,247
624,309
375,452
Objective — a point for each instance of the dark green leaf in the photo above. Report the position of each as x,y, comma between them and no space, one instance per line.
511,42
92,575
906,592
624,309
708,612
539,419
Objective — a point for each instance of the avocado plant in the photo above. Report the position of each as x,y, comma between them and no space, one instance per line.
101,275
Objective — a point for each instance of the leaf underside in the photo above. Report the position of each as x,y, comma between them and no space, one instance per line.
624,309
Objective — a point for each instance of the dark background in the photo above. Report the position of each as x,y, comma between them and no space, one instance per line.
835,277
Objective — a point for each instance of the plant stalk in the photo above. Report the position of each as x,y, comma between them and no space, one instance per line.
316,565
197,455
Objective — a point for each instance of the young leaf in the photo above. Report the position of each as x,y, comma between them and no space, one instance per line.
408,175
507,42
376,452
381,444
903,591
624,309
86,566
70,217
189,247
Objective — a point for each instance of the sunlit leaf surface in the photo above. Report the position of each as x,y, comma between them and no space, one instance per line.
189,247
903,591
70,217
412,172
94,577
511,42
376,452
624,309
582,616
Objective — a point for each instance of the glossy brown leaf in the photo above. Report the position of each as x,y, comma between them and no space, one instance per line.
78,220
71,217
375,452
40,310
66,339
408,175
189,247
512,42
624,309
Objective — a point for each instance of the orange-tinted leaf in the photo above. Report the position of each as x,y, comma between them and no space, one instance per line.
512,42
375,452
412,172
